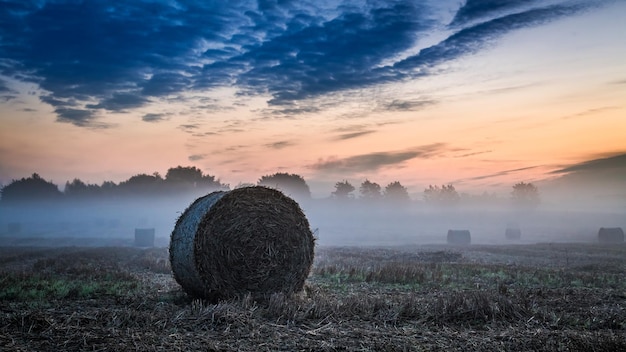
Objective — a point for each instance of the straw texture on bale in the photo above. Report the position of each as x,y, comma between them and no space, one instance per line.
460,237
144,237
250,240
611,235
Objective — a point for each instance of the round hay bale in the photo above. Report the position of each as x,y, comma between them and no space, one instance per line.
250,240
611,235
459,237
513,233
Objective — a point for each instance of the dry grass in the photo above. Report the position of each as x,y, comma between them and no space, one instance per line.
408,301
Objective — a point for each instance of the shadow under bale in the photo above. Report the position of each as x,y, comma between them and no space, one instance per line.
459,237
251,240
611,235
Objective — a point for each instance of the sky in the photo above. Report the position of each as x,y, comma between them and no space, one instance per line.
480,94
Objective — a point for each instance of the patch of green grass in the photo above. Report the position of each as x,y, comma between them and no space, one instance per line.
38,287
462,276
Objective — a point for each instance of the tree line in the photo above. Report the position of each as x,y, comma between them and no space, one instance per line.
189,179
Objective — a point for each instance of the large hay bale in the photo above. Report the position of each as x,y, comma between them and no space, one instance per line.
611,235
513,233
459,237
144,237
249,240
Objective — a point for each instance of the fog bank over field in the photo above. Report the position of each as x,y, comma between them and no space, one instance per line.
348,223
422,224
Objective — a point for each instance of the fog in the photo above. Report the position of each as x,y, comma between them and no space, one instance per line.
352,223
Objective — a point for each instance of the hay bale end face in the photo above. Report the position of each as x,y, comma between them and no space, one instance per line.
611,235
459,237
144,237
513,233
249,240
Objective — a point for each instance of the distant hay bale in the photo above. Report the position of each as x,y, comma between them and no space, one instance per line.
513,233
14,228
249,240
459,237
144,237
611,235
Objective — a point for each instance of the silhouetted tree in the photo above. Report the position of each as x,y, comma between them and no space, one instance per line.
343,190
395,192
108,188
444,196
77,189
190,178
180,174
525,195
142,184
370,191
33,188
291,184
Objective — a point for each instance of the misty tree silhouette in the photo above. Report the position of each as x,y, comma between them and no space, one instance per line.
188,178
78,189
445,195
370,191
525,196
291,184
33,188
343,190
396,193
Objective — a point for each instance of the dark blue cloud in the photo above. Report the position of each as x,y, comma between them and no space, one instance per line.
334,55
474,10
78,117
6,93
471,39
93,55
120,101
153,117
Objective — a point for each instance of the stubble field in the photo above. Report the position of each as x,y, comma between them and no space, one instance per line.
531,297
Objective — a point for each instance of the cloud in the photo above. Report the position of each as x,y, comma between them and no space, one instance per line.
407,105
189,128
6,93
497,174
602,164
153,117
196,157
472,154
376,160
120,101
474,10
280,144
80,118
592,112
97,55
352,135
473,38
4,88
601,177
